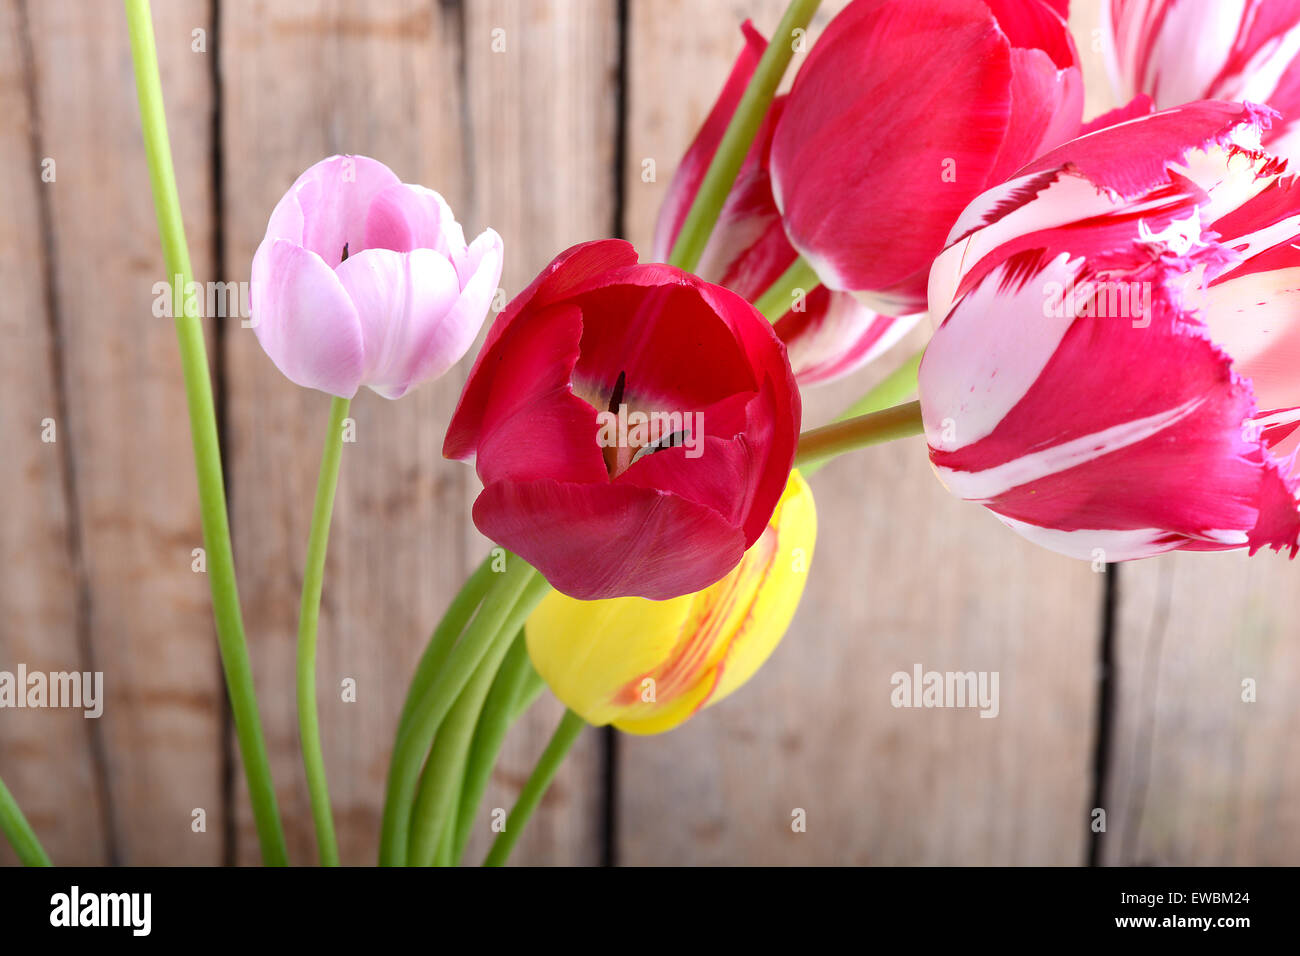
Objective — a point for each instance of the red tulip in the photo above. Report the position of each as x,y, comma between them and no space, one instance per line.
829,334
1116,375
902,114
633,426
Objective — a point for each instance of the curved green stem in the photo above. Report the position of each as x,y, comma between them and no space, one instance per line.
444,638
562,741
413,744
894,389
779,298
440,785
493,724
735,143
820,444
19,832
313,579
203,431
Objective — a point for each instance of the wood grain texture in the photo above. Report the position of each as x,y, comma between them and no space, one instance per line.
1201,775
903,574
392,80
45,755
133,484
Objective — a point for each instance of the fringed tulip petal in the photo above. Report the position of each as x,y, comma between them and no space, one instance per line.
1114,317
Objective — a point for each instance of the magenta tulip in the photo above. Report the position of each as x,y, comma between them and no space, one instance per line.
901,115
1118,372
365,280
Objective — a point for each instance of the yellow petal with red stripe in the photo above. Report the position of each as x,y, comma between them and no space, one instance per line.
646,666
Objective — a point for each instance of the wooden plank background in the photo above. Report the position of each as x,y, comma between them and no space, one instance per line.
545,141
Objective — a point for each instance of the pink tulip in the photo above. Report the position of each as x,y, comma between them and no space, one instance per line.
365,280
1117,373
901,115
1177,52
828,334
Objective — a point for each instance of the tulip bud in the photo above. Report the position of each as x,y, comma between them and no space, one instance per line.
365,280
1116,375
647,666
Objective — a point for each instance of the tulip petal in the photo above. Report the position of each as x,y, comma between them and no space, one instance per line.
854,127
304,319
600,541
404,301
326,208
836,335
567,271
534,426
403,217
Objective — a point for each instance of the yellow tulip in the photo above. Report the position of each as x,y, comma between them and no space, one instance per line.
646,666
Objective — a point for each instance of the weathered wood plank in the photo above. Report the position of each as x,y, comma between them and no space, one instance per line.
390,80
149,620
1202,775
44,754
903,575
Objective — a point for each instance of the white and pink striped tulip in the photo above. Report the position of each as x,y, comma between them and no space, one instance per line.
1178,51
830,334
1115,375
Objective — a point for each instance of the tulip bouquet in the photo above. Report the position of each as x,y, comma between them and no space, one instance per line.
1110,371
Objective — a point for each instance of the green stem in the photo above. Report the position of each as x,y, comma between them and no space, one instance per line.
547,765
444,638
493,724
735,143
19,832
531,689
313,578
432,706
203,431
441,782
445,848
823,443
780,295
896,388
